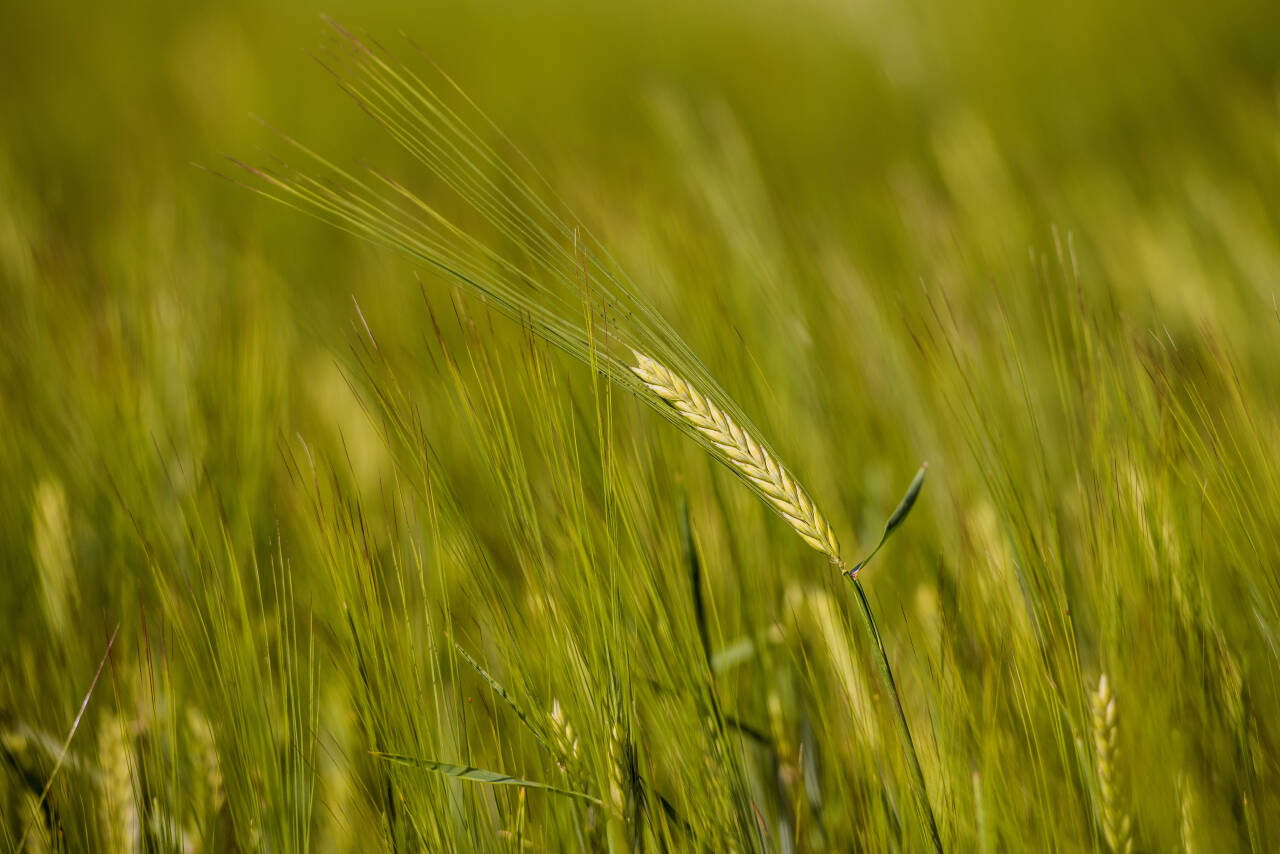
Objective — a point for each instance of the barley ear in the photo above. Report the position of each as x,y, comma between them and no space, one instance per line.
744,452
1116,826
120,820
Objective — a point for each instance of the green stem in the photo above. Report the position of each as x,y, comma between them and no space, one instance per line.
908,746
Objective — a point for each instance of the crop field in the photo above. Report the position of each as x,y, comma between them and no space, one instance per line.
566,426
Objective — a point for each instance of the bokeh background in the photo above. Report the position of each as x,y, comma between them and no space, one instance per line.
874,221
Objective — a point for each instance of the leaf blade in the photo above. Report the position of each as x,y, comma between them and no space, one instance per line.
479,775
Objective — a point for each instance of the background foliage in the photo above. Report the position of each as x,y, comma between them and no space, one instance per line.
1038,246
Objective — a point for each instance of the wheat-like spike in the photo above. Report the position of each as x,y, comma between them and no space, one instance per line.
1116,826
205,750
565,738
624,831
1186,814
120,820
744,452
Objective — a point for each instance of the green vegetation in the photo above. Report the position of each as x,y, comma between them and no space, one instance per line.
454,539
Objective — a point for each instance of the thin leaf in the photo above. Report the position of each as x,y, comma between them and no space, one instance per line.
694,565
898,516
908,501
479,775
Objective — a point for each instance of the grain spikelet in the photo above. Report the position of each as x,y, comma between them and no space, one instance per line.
744,452
205,750
565,738
1116,827
120,820
818,613
1186,814
53,553
625,798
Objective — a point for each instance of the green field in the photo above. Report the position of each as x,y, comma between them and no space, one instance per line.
504,529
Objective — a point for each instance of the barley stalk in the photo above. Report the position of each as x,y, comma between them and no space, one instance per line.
745,453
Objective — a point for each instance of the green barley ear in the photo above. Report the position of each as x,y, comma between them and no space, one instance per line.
205,752
897,518
121,825
52,548
1116,826
625,797
1186,813
566,740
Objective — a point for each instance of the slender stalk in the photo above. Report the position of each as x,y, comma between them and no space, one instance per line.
908,745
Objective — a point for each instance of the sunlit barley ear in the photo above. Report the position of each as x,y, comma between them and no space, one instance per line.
51,534
623,801
565,738
1186,814
1116,826
818,614
120,821
205,754
744,452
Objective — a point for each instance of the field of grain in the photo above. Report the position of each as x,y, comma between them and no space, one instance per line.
513,485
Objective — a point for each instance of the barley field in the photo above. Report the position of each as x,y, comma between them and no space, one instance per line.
568,426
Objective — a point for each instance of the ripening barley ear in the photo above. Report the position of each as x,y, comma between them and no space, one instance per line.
1186,814
744,452
819,615
565,738
121,825
1116,825
52,548
624,802
205,754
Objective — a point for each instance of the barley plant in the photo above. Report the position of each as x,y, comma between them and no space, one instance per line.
535,473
